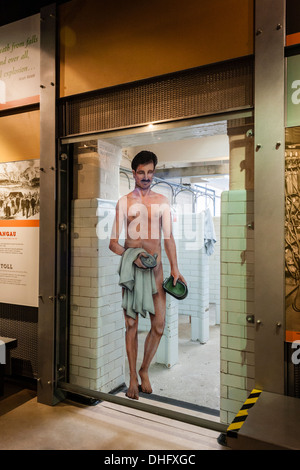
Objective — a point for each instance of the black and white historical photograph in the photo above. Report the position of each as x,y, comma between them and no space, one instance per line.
20,190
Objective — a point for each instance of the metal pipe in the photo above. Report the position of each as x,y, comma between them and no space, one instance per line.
169,184
124,173
194,196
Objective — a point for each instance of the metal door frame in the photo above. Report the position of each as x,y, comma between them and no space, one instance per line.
47,391
269,196
65,154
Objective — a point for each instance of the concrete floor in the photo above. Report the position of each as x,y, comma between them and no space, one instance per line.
26,424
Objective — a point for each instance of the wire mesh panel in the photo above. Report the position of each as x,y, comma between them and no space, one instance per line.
202,91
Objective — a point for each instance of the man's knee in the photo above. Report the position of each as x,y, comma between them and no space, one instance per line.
131,324
158,327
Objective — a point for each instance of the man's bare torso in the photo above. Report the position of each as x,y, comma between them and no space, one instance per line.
144,218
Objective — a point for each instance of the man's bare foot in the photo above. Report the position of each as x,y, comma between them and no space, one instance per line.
133,389
145,382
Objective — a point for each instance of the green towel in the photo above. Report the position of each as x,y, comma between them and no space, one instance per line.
139,284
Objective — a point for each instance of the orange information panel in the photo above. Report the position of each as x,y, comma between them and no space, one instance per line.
291,336
19,232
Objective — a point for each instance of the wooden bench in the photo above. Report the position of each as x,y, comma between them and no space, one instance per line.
8,343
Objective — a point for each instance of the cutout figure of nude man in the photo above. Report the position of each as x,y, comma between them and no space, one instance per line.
146,215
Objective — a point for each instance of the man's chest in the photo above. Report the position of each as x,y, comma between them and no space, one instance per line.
144,211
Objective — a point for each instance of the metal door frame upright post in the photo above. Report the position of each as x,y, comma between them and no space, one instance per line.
269,206
47,392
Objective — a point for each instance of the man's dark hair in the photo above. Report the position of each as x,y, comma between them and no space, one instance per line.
143,157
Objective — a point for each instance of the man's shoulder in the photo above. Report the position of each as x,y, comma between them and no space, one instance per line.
125,197
126,200
121,201
160,198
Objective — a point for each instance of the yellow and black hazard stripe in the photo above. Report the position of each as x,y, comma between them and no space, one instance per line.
241,416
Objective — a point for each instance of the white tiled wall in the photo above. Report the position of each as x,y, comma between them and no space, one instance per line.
167,352
214,276
97,351
98,172
237,301
195,266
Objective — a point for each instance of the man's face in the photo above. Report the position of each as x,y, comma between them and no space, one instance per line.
143,175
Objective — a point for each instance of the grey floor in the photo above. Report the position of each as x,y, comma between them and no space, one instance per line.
69,425
26,424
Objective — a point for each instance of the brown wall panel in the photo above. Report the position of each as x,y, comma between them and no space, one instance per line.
108,43
20,136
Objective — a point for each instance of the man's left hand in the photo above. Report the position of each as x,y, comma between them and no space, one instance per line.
176,275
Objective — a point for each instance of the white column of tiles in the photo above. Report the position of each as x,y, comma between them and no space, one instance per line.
194,265
214,275
237,301
97,351
167,352
98,171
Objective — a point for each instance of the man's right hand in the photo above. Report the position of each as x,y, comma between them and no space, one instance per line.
138,262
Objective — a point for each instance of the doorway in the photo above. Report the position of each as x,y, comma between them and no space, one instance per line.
193,171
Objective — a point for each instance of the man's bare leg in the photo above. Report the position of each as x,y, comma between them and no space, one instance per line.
131,340
156,331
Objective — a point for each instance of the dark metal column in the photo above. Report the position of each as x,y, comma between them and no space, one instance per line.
48,224
269,194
